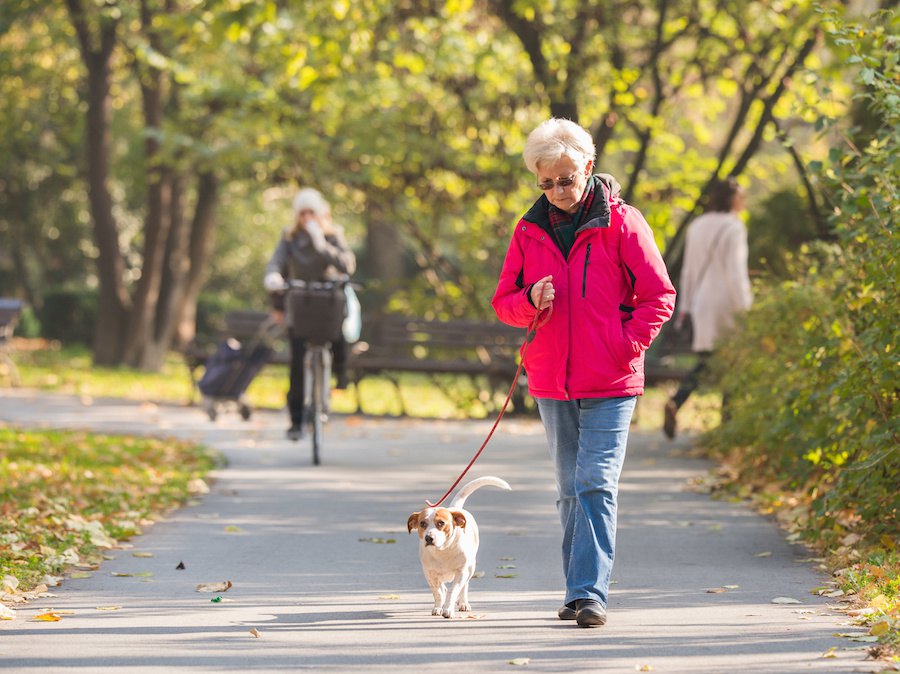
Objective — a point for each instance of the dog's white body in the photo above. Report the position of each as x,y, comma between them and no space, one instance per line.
448,545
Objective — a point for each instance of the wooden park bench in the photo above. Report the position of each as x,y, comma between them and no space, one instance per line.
10,309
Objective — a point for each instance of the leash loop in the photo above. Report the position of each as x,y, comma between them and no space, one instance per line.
540,319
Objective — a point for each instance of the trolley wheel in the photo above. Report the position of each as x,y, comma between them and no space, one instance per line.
245,411
210,408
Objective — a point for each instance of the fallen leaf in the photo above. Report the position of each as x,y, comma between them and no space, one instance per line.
255,632
830,653
716,590
216,600
519,661
378,540
507,559
180,566
141,554
880,628
785,600
214,587
763,554
121,575
506,575
80,574
232,529
108,608
865,639
474,616
507,566
389,596
732,587
643,668
7,613
47,617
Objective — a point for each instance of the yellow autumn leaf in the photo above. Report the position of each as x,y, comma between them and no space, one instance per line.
47,618
255,632
519,661
108,608
141,554
880,628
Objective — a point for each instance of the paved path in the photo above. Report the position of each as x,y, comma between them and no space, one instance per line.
325,599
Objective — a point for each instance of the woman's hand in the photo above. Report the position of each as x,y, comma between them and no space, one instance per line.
545,286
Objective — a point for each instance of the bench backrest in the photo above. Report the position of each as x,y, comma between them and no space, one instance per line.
9,316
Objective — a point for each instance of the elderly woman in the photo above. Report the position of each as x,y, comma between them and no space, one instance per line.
313,249
593,257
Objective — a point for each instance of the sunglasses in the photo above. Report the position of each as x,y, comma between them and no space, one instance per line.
561,182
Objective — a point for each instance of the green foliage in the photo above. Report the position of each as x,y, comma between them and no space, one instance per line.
68,315
816,357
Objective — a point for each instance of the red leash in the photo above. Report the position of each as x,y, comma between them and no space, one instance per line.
540,318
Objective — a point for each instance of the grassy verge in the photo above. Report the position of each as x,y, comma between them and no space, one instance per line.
65,497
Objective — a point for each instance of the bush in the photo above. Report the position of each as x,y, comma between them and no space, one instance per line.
69,315
816,358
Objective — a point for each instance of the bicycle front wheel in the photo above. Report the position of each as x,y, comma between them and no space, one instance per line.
317,409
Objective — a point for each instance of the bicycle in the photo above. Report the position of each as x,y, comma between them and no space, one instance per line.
315,312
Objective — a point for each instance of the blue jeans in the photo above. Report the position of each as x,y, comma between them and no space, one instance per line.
587,443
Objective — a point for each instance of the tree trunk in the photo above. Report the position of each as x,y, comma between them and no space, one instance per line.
113,299
383,257
200,242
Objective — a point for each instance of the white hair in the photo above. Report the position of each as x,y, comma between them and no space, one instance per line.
557,138
310,199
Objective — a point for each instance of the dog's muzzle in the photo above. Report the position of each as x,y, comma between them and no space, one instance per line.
429,540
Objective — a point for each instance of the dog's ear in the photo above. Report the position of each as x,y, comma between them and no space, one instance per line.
412,522
459,518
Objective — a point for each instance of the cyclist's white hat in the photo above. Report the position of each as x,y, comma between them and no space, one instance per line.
311,199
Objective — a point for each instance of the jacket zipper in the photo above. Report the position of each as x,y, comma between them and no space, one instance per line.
587,261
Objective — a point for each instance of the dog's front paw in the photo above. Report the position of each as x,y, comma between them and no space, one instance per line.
448,613
436,611
463,606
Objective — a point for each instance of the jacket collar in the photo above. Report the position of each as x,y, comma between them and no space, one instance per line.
597,216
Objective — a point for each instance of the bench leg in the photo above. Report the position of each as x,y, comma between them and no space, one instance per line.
11,368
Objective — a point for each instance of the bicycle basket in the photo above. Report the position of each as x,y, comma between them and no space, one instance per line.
316,313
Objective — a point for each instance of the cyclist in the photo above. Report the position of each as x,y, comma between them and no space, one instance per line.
312,249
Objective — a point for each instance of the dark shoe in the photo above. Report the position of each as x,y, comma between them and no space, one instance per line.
295,432
669,422
590,613
567,611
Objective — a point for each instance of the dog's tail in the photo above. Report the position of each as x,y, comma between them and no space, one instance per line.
459,500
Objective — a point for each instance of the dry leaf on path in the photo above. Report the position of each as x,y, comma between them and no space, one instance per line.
378,540
141,554
763,554
519,661
786,600
7,613
48,617
215,587
108,608
716,590
255,632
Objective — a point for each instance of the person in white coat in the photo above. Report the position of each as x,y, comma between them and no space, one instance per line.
715,283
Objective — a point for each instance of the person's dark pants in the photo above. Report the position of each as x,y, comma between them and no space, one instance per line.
690,383
297,390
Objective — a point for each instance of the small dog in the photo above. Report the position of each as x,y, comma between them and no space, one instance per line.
448,544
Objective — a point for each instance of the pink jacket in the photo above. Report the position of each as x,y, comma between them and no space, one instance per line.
612,296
